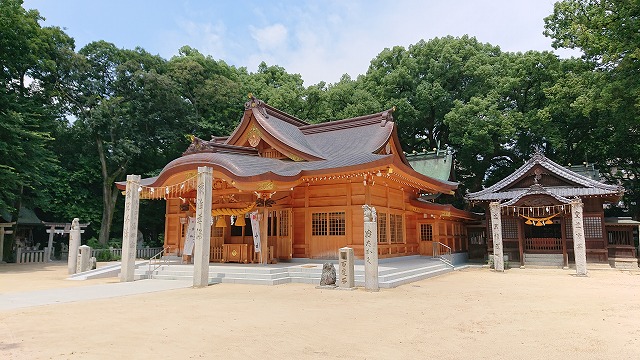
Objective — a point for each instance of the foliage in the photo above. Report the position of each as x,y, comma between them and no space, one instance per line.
73,123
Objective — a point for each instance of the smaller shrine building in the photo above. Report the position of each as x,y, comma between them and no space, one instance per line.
534,207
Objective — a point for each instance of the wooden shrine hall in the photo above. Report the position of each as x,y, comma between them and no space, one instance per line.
307,184
534,207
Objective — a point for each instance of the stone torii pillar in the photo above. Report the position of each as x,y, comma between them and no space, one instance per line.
579,244
129,228
2,233
203,228
496,230
74,245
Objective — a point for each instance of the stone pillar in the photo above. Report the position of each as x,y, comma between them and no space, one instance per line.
84,259
496,230
52,230
370,249
203,227
1,243
346,277
130,228
579,244
74,244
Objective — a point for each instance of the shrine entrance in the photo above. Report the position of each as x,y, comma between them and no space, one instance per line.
546,239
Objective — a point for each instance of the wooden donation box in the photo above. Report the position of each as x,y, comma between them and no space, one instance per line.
235,253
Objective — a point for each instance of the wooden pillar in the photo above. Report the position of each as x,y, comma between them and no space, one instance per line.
496,229
129,229
565,255
264,236
521,241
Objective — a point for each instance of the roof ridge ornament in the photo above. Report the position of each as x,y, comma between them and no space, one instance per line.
387,116
256,103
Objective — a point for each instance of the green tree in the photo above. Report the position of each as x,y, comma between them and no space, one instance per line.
609,101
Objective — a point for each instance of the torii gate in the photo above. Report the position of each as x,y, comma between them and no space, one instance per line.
3,231
60,229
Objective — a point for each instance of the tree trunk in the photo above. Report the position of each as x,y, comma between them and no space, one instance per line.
109,194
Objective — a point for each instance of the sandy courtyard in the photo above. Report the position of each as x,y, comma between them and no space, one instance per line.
468,314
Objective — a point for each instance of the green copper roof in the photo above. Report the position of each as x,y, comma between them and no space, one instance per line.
433,164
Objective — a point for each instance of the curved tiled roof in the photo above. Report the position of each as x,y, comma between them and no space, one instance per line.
584,186
286,133
338,146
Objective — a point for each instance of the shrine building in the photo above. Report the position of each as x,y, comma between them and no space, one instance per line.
308,183
536,208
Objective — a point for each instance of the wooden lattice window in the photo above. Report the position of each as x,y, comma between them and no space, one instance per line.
319,224
217,232
382,228
426,232
509,229
283,228
396,229
332,224
592,227
568,228
337,223
620,237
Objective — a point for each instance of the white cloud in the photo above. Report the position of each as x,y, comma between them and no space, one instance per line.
208,38
270,38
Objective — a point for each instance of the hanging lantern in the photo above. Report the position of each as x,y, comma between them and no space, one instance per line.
220,223
240,221
528,222
539,223
548,222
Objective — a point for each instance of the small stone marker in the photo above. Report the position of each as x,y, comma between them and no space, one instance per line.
84,259
370,249
328,277
346,269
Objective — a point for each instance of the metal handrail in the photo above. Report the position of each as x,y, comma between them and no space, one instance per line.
447,257
157,257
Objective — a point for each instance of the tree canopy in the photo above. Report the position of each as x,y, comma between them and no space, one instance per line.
72,123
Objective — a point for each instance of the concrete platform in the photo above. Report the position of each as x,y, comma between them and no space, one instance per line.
391,272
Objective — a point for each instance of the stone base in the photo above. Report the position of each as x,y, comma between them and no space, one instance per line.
624,263
346,288
326,287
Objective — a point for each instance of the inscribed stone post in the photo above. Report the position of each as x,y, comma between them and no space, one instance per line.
370,249
74,244
579,246
496,230
52,232
203,227
130,228
84,258
346,273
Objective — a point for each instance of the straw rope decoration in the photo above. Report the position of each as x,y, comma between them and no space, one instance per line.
537,215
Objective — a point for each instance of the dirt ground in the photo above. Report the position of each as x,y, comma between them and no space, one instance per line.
468,314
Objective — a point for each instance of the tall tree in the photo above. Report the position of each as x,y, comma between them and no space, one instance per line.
607,33
130,111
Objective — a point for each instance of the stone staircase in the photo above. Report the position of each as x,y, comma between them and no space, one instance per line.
547,260
390,274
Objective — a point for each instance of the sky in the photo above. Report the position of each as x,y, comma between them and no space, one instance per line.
321,40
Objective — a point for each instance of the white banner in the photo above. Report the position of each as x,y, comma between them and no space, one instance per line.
255,228
190,237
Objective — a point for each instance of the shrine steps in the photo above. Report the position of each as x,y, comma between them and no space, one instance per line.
390,273
543,260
